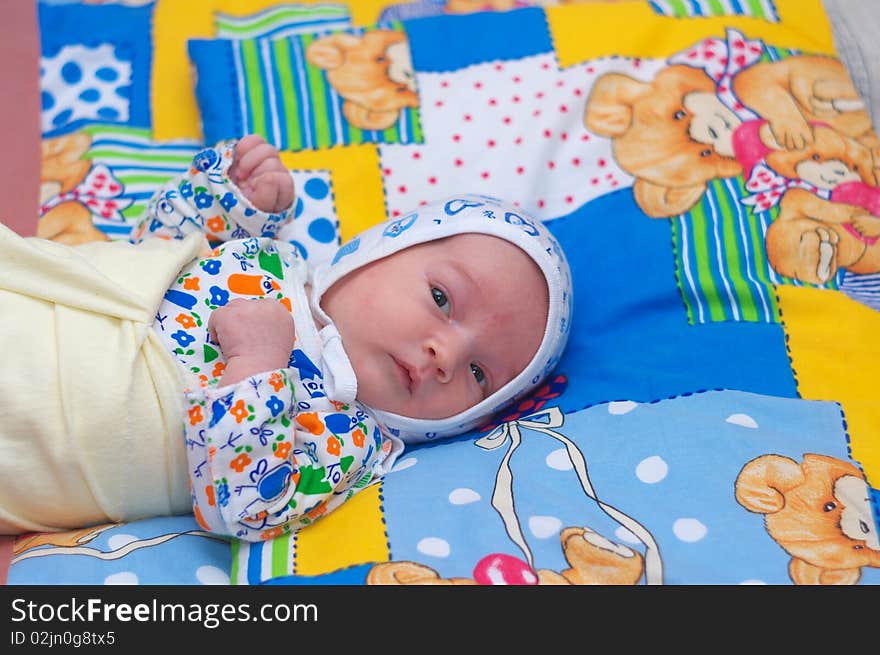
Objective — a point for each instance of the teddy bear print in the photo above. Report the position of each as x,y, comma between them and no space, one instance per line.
63,217
818,512
835,224
68,539
674,134
795,130
592,559
652,140
373,73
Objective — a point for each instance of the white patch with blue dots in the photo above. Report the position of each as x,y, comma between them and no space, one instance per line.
84,83
314,229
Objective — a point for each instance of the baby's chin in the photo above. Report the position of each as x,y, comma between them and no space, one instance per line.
407,408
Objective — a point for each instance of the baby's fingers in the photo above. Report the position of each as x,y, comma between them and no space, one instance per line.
246,165
271,191
264,167
212,325
246,144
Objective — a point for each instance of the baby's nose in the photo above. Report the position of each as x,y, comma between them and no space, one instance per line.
446,355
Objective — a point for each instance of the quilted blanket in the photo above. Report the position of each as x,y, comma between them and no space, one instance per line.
713,175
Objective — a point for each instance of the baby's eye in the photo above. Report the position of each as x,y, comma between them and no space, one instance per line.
441,299
478,374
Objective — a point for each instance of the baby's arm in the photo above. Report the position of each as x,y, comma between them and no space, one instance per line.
237,189
260,463
261,466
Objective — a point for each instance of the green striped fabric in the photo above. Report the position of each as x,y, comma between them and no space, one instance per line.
764,9
254,563
290,102
721,260
283,20
141,164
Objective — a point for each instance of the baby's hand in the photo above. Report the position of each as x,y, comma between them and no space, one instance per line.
254,336
257,170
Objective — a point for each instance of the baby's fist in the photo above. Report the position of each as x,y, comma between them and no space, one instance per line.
257,170
254,336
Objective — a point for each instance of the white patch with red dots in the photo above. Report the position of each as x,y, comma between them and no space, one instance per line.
514,130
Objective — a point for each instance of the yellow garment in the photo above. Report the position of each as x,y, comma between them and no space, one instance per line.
90,399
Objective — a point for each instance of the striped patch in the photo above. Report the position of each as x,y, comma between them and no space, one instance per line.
254,563
412,9
139,163
291,103
358,525
863,288
283,21
721,262
721,259
764,9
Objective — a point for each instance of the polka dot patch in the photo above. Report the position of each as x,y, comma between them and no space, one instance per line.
517,133
84,83
314,230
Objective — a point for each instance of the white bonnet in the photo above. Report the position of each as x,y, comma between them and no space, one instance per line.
459,215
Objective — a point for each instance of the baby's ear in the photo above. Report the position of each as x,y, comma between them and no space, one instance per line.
329,52
609,107
662,201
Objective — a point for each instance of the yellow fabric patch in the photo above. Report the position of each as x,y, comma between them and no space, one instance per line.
841,368
584,31
354,534
172,92
174,106
358,194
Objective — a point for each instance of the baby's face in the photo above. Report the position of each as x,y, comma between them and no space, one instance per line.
433,329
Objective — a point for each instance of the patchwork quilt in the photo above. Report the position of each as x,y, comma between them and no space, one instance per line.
714,178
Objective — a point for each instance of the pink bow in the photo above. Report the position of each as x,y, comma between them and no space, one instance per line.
767,187
722,60
99,193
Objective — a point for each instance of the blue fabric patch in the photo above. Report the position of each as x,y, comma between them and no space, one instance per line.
216,89
670,466
171,550
355,575
630,336
127,29
449,42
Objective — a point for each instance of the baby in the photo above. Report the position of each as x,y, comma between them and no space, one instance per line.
300,383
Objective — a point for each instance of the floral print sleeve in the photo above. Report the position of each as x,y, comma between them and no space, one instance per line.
204,199
259,468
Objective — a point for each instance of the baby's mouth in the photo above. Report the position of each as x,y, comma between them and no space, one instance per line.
405,375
